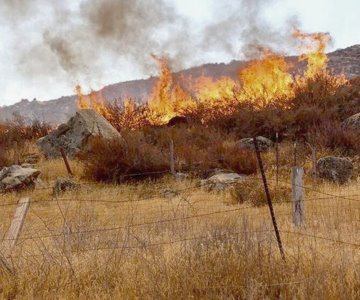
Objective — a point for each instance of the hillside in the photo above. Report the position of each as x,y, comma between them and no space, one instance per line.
59,110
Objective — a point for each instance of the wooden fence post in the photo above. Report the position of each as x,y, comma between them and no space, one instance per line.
67,165
297,185
172,159
277,158
314,159
14,231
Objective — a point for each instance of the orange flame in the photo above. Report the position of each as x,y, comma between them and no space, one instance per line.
209,89
93,101
313,46
262,82
266,80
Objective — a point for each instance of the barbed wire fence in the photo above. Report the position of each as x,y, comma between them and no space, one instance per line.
138,243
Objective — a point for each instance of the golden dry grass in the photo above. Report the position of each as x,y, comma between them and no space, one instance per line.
127,241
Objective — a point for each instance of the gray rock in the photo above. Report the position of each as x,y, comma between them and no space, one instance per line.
169,193
352,122
221,181
63,185
180,176
336,169
75,135
17,177
248,143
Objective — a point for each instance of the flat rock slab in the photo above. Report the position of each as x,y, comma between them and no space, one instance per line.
17,177
74,136
222,181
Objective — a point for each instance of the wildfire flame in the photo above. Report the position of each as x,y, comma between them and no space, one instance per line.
262,82
266,80
313,46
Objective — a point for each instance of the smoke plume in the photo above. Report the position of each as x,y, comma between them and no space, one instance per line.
84,40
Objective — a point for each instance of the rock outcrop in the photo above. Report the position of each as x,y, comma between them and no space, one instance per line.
264,143
336,169
169,193
221,181
75,134
352,122
17,177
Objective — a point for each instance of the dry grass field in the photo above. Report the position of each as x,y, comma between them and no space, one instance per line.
127,241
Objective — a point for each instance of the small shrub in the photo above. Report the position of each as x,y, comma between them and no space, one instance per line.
332,136
16,135
112,161
252,191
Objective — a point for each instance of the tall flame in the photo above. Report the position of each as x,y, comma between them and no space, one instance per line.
313,46
266,80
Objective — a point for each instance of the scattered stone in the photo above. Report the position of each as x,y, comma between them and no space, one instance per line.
221,181
336,169
16,177
248,143
218,171
31,159
169,193
180,176
75,135
63,185
352,122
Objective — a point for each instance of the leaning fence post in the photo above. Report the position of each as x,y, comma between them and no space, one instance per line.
268,197
172,159
277,157
297,185
14,231
67,165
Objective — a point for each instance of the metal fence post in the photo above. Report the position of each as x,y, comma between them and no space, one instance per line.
268,197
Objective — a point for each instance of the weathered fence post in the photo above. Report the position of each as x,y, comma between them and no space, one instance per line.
297,185
268,197
277,157
172,159
295,154
67,165
313,149
14,231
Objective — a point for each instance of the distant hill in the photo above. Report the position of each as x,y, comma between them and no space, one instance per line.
59,110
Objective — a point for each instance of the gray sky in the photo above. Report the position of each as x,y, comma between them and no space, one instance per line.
49,46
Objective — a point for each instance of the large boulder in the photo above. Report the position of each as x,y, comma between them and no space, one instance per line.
76,133
17,177
222,181
352,122
336,169
264,143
